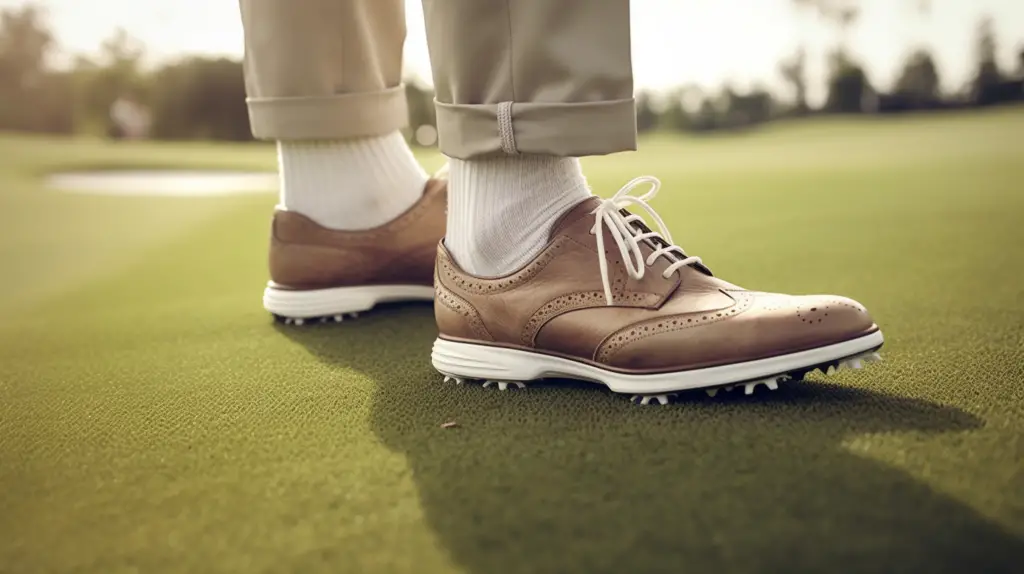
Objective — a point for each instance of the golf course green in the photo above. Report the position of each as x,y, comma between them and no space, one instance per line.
153,418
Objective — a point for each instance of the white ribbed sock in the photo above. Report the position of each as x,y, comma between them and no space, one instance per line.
356,183
500,210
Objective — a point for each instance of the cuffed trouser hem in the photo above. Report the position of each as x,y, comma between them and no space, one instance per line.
571,130
332,117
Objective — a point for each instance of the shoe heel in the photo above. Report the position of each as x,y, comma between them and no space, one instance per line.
337,302
463,361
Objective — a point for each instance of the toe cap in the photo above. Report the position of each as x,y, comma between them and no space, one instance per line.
831,317
766,325
825,317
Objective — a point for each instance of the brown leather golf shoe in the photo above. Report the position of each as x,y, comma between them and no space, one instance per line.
326,274
610,301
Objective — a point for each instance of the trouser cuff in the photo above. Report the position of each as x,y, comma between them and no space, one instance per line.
331,117
572,130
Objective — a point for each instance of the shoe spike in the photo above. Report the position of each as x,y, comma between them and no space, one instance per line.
661,399
505,385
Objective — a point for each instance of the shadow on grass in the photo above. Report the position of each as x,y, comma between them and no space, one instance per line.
577,479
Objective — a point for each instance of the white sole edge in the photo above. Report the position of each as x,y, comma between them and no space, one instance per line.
338,301
462,361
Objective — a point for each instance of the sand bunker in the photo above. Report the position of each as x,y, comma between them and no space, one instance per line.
164,182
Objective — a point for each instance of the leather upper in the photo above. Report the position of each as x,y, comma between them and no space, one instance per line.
690,319
305,255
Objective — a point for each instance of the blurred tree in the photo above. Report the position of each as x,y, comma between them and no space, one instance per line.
737,110
918,84
849,90
706,118
646,115
421,106
117,73
794,71
842,14
25,45
421,103
759,105
1020,75
200,98
723,104
985,86
30,97
676,117
848,87
847,80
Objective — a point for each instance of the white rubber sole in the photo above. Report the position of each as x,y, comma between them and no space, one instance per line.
339,301
513,368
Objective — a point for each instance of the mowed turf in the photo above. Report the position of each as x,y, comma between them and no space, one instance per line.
154,419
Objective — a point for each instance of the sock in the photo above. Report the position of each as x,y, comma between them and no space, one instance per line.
501,210
350,184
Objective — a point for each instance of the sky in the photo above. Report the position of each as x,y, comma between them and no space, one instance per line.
675,42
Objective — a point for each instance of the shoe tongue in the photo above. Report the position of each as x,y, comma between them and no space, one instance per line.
582,211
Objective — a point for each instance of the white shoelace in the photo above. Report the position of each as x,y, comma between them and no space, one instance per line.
628,238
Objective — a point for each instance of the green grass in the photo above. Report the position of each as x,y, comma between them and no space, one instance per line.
153,419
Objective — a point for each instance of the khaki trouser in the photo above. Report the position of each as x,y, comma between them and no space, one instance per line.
511,76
